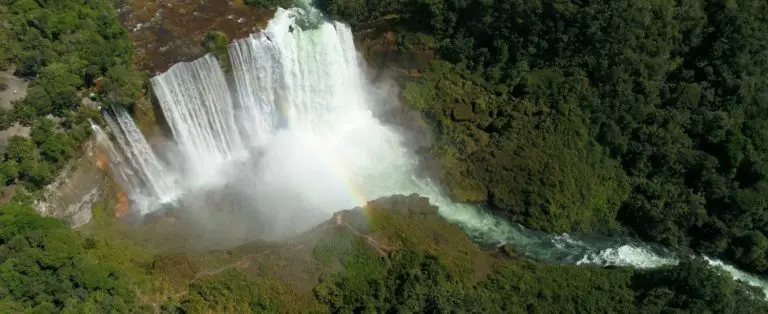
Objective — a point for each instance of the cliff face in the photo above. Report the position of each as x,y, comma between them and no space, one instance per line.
80,185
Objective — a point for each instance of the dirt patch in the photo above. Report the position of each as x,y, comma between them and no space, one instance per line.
165,32
15,88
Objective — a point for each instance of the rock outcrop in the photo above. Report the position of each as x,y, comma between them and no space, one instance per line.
166,32
75,191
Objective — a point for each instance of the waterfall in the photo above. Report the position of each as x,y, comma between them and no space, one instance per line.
302,78
289,131
148,177
196,102
121,170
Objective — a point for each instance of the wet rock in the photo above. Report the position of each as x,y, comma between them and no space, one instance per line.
507,250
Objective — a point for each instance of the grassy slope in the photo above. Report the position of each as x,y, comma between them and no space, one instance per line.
397,254
354,248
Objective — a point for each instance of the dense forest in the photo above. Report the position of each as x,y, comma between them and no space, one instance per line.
45,267
68,49
650,115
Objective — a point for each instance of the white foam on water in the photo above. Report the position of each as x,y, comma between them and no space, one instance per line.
738,274
627,255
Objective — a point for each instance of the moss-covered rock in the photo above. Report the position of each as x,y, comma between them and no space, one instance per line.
216,43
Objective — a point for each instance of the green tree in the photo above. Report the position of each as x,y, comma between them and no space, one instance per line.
44,267
9,171
750,250
61,83
37,102
42,129
6,118
216,42
122,86
694,287
21,149
672,91
17,219
58,148
63,47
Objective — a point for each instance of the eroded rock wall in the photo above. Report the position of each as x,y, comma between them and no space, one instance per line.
81,185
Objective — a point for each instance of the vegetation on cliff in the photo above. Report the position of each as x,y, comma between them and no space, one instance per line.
216,43
540,94
65,48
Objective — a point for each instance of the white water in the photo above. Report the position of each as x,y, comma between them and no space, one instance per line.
149,180
295,137
122,171
200,112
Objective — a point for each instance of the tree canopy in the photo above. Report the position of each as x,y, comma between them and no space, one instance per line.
672,91
45,267
63,47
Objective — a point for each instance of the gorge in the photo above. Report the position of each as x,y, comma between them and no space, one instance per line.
419,156
287,134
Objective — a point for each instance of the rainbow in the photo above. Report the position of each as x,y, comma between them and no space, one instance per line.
338,166
344,175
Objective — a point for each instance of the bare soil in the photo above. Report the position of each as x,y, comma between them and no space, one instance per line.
16,88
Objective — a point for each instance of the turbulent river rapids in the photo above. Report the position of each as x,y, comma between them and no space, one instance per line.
288,135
